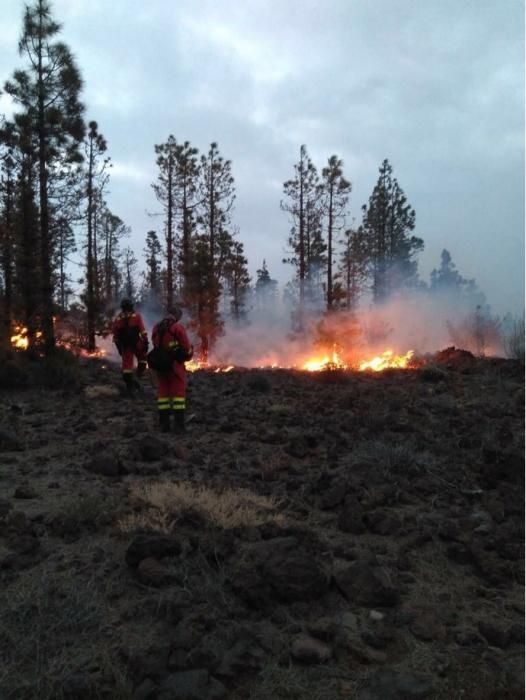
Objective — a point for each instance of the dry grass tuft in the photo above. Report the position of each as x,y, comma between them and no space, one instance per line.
166,502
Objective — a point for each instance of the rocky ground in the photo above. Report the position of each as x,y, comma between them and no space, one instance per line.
312,536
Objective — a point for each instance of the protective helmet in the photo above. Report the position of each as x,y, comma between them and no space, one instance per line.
127,305
176,312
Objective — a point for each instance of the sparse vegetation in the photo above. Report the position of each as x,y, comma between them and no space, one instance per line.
165,503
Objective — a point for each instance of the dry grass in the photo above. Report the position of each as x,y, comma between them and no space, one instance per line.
166,502
53,627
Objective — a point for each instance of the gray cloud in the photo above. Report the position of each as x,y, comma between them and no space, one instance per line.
436,86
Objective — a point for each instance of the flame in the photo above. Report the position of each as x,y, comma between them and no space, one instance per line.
20,340
387,360
318,364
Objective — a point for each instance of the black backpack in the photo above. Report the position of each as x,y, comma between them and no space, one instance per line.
161,359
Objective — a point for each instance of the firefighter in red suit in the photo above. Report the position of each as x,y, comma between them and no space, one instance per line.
171,335
131,339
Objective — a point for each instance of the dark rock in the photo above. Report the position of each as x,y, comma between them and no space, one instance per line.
334,495
367,584
309,650
151,546
152,573
245,654
25,491
108,464
496,633
147,690
9,441
382,522
191,685
5,507
396,685
298,447
351,516
17,521
282,567
24,544
151,448
148,661
427,627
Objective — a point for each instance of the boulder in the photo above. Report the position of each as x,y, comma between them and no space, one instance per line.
154,546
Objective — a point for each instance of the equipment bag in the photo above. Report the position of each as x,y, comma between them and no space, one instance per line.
161,359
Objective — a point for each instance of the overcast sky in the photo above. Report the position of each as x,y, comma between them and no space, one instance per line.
435,86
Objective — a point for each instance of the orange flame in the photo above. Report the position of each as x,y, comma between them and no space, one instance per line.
387,360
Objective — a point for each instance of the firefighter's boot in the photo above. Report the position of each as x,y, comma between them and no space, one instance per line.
164,421
130,384
179,426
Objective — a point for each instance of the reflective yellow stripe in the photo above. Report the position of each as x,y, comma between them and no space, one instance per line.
127,371
179,403
173,344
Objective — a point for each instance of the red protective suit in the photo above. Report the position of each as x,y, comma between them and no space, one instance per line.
131,339
172,385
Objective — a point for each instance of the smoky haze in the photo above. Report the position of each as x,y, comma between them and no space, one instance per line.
436,87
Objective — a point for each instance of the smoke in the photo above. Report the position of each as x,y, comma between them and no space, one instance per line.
415,321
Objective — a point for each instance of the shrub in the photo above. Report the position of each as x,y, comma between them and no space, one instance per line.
166,502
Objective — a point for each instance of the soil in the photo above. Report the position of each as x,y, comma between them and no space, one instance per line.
383,557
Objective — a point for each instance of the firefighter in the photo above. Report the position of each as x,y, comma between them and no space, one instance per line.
170,335
131,340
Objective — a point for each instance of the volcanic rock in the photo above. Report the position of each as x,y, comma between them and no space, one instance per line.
309,650
150,448
25,491
366,584
152,573
151,546
396,685
351,516
282,567
106,464
496,633
9,441
191,685
5,507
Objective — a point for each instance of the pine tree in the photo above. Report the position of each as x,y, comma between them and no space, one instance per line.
388,220
129,273
48,92
95,147
8,176
336,190
216,195
354,263
302,193
187,201
265,289
238,281
153,264
166,190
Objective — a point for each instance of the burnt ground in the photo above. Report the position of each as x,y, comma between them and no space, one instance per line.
384,559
